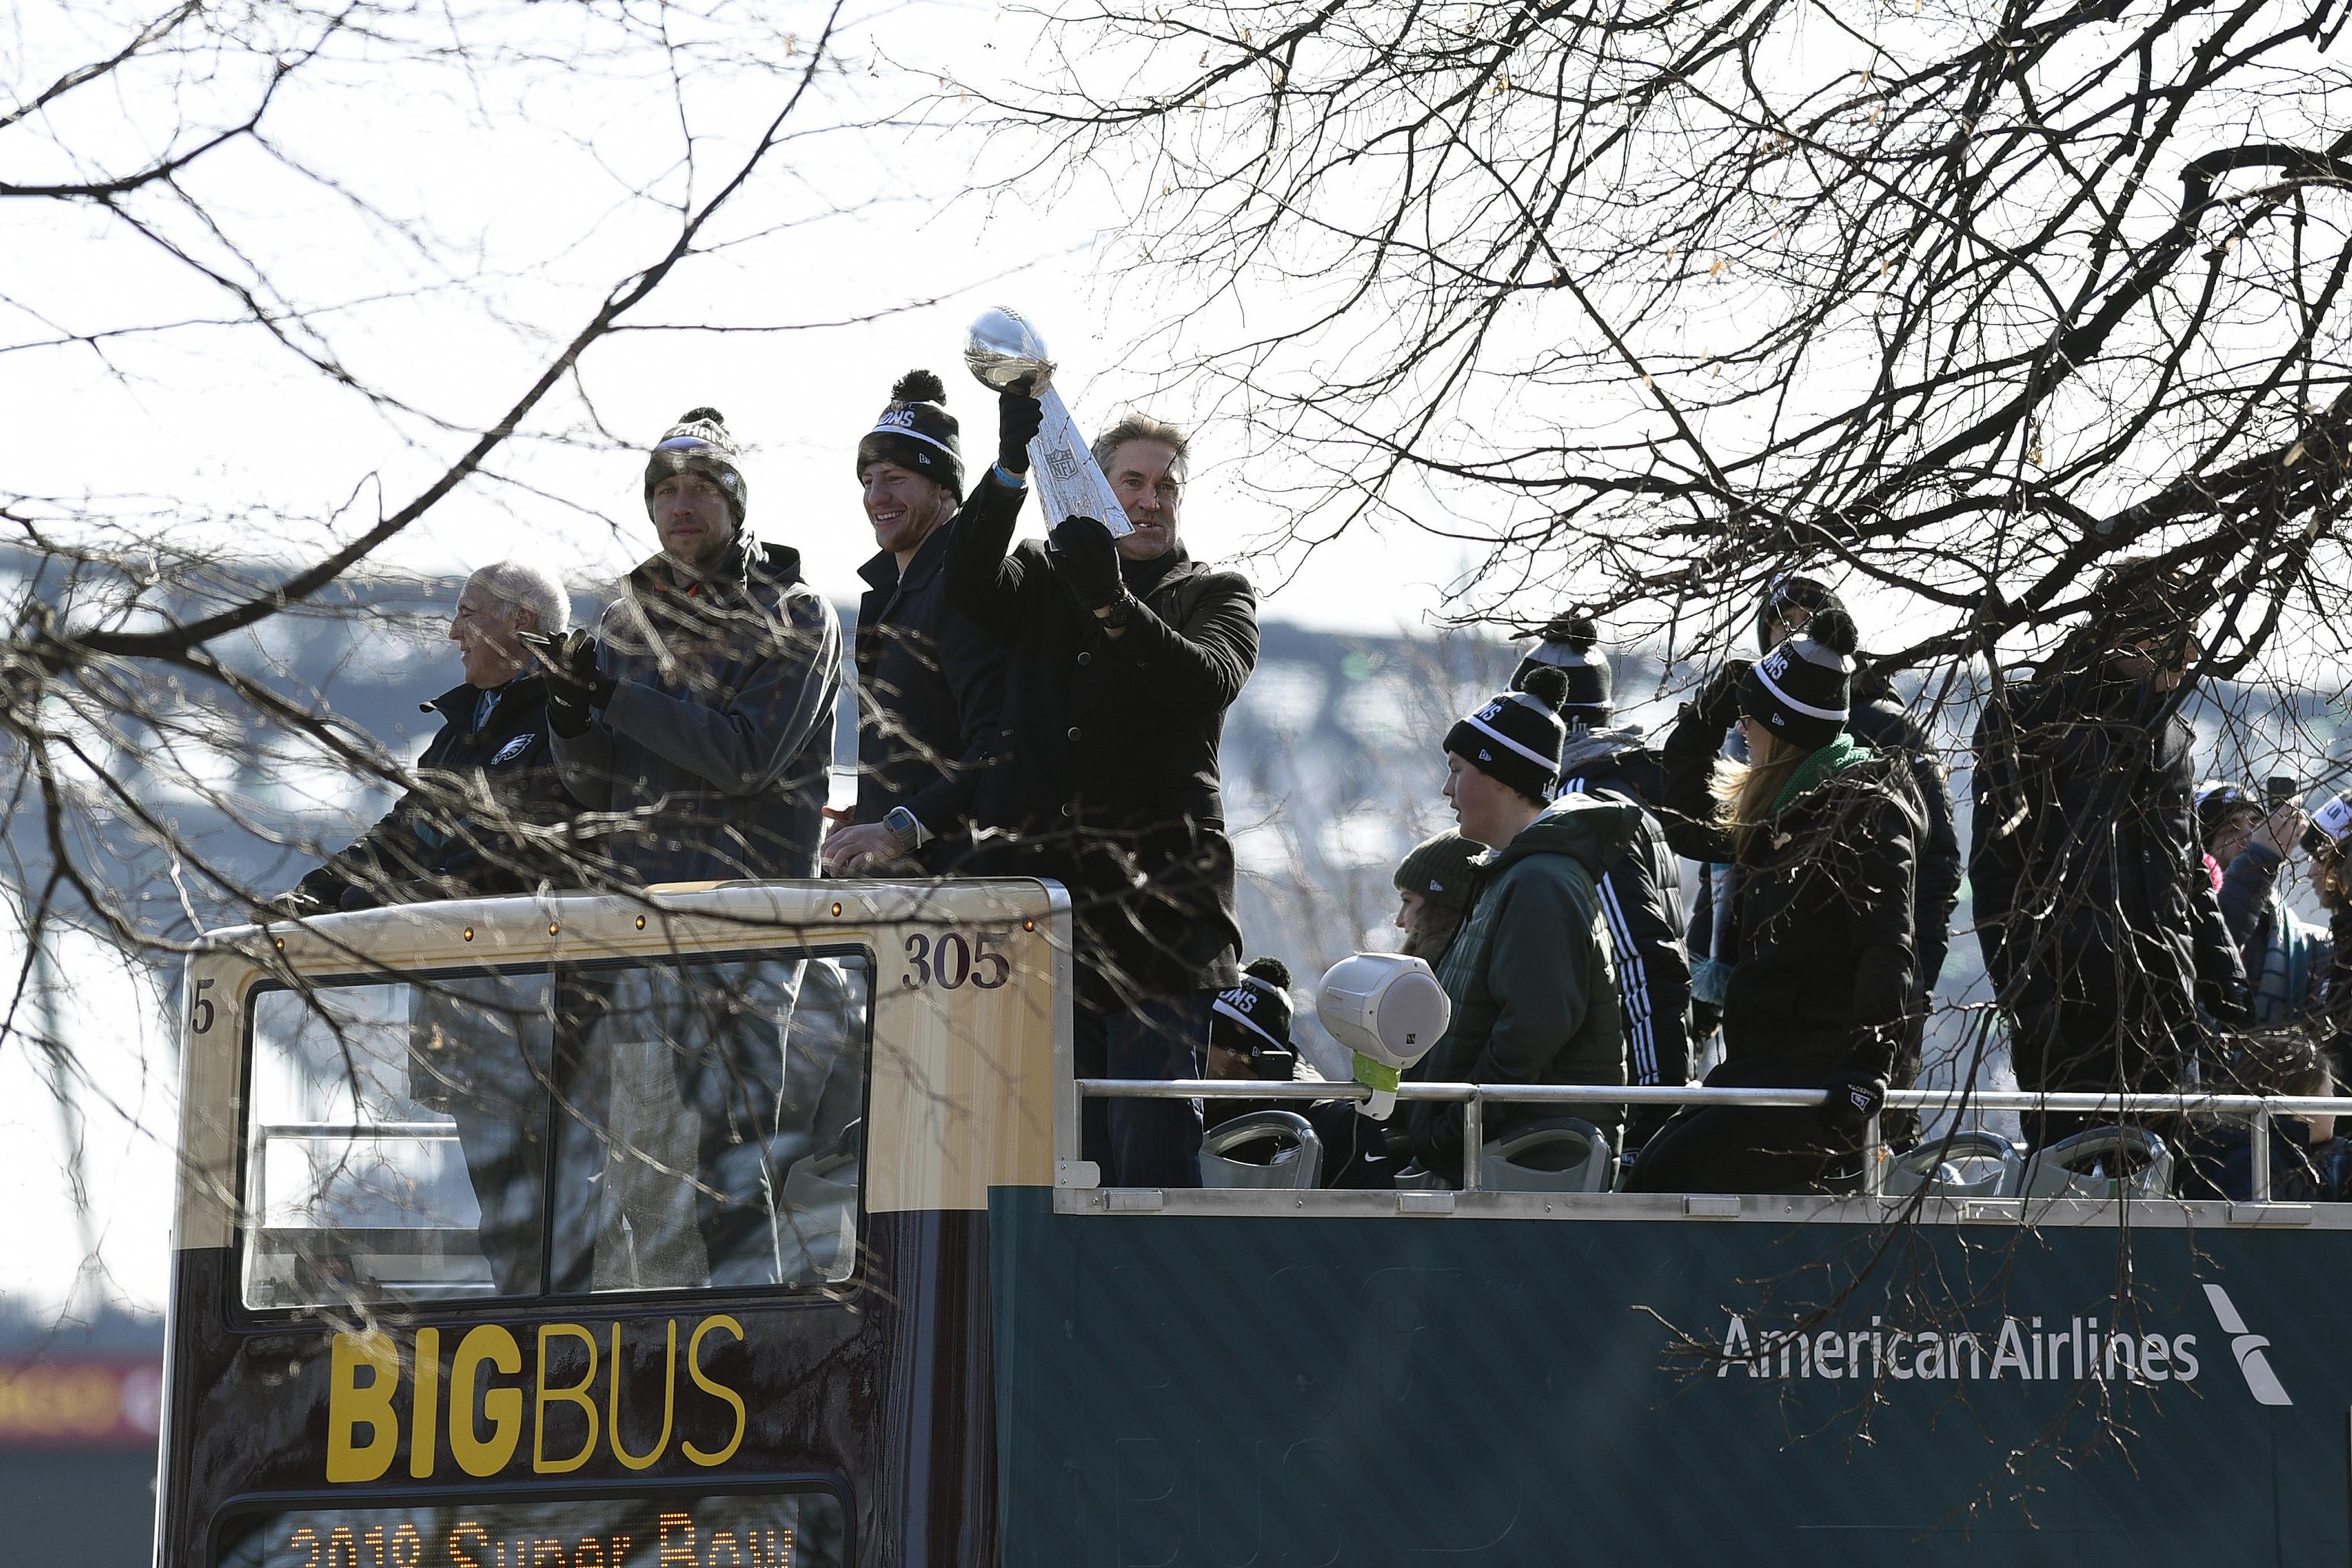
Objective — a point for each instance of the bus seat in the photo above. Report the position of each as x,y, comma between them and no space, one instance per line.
1975,1162
1293,1155
1557,1154
816,1233
2101,1162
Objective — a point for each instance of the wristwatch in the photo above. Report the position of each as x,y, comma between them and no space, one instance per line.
1120,615
908,827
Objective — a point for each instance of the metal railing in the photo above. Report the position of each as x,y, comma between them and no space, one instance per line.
1472,1098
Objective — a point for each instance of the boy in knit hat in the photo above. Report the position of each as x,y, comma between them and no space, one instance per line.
1534,993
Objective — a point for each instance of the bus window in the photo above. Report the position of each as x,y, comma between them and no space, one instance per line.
611,1127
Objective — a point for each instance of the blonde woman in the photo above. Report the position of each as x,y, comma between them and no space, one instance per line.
1820,834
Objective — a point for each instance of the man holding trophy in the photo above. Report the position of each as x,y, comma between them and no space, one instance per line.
1124,656
930,685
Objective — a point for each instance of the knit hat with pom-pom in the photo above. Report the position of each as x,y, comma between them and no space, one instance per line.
1802,690
699,443
1789,598
1253,1018
1568,646
1516,738
916,433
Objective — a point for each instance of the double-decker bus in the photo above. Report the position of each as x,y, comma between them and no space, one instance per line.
746,1225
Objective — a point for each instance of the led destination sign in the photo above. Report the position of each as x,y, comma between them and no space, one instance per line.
791,1530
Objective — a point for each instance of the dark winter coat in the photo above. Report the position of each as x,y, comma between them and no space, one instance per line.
2083,855
715,748
1530,975
1821,974
1879,721
445,834
1640,901
930,688
1112,786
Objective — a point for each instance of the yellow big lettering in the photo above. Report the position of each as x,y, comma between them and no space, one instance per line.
476,1455
352,1405
576,1395
693,1369
669,1401
424,1427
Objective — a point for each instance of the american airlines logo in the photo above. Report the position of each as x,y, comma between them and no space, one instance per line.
2021,1349
2261,1381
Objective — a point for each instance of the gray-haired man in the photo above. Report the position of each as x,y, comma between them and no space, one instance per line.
488,774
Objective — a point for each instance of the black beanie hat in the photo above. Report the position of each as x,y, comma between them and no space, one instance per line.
1253,1018
1791,591
915,432
1802,690
1568,647
1440,870
1516,738
699,442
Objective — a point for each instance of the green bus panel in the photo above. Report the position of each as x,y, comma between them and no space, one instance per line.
1222,1393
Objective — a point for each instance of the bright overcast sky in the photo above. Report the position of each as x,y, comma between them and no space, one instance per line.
530,174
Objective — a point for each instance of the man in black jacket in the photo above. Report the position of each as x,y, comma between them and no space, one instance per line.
1125,654
929,684
2101,930
488,773
485,780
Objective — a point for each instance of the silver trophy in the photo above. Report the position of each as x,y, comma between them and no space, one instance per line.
1004,350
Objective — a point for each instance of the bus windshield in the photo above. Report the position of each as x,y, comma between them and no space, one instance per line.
556,1131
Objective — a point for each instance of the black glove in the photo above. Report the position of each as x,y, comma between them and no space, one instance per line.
1018,417
1855,1098
1718,702
2227,1001
1087,560
575,684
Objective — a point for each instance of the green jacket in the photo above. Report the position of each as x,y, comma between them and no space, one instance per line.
1531,978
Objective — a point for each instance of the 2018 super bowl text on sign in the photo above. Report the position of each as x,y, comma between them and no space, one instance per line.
789,1528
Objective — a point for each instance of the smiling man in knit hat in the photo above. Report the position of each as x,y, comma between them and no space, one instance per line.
703,705
931,684
701,716
1533,990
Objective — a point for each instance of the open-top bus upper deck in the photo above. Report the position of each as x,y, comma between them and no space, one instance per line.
746,1224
